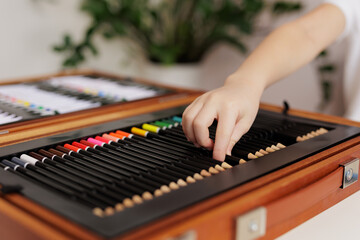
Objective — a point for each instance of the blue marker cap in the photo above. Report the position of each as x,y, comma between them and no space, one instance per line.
177,119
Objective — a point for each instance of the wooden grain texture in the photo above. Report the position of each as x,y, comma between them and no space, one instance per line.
19,224
42,127
67,123
43,222
226,206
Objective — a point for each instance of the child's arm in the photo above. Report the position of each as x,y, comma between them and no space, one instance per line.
236,103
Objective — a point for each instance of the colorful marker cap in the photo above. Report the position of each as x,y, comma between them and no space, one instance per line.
110,137
119,136
150,128
162,124
95,141
101,139
79,145
139,131
177,119
129,135
71,147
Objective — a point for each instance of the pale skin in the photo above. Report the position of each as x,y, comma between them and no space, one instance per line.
235,105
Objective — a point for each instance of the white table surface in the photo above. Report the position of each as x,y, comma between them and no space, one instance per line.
341,221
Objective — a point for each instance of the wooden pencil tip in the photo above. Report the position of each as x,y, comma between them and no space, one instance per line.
219,168
128,202
323,130
98,212
275,148
213,170
299,139
205,173
165,189
226,165
137,199
252,156
280,145
181,183
314,133
258,154
147,195
190,179
270,150
173,186
262,151
119,207
242,161
109,211
158,193
197,176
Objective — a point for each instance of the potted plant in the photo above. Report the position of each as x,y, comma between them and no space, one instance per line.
170,33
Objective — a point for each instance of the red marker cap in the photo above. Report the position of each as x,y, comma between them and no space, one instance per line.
71,147
79,145
87,143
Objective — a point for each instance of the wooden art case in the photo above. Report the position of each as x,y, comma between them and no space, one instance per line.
264,205
26,130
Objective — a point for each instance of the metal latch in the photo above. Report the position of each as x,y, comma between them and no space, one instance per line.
351,172
251,225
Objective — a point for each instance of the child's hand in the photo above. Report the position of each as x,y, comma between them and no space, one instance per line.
234,106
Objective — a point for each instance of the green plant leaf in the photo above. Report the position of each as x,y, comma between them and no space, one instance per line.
253,6
66,44
97,9
327,89
169,31
163,54
92,49
323,54
108,34
234,42
282,7
327,68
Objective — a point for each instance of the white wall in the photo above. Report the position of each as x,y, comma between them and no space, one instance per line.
29,28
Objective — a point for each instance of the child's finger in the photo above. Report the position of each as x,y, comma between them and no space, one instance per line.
201,125
240,129
226,123
188,117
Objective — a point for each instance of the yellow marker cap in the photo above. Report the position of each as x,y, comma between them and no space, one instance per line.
150,128
139,131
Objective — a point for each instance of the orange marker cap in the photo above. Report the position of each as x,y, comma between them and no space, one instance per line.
117,135
123,133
